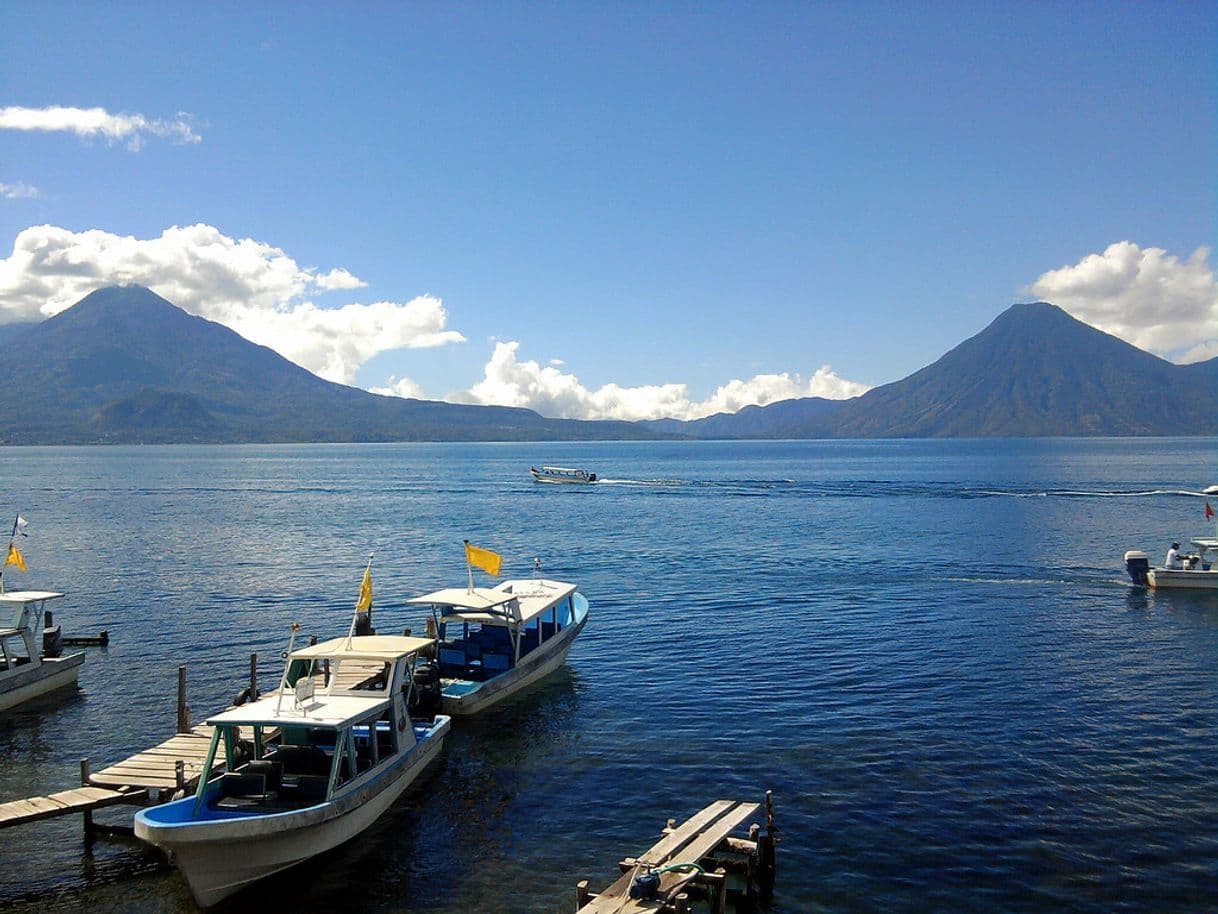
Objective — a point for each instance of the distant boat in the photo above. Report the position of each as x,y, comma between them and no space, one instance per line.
495,641
1210,490
562,475
30,661
330,752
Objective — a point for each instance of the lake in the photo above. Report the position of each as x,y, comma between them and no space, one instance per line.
928,650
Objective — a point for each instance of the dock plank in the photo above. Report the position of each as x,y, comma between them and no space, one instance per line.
692,840
80,799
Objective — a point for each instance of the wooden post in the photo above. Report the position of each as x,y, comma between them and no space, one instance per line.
767,863
87,815
254,676
719,904
682,903
179,778
183,710
581,894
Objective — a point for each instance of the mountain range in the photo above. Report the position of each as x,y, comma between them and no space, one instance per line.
123,365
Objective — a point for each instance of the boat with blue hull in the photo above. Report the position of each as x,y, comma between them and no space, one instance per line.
493,642
305,769
567,475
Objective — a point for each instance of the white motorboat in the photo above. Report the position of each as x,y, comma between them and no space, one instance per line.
1198,571
31,663
303,770
495,641
562,475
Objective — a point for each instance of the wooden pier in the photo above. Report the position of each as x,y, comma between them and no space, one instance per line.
147,778
691,864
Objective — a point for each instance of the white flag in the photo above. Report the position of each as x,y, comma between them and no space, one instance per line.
22,523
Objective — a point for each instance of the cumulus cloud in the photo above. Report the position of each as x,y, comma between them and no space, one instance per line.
400,387
508,381
18,191
99,123
1145,296
250,286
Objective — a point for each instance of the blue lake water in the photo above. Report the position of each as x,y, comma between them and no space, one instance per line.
927,649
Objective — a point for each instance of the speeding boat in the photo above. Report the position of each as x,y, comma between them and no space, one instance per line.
304,769
495,641
1198,571
562,475
31,661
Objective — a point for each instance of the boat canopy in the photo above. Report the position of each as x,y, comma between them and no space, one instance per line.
363,647
28,596
513,602
325,711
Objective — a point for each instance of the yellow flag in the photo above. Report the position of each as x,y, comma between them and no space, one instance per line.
365,591
483,558
15,557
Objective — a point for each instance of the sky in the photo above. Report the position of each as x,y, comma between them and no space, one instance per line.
612,210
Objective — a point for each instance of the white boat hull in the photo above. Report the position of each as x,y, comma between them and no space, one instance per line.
219,858
541,663
52,674
1163,578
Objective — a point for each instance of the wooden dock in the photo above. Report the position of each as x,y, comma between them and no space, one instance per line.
691,863
146,778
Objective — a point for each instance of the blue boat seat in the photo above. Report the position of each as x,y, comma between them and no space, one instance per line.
451,657
496,663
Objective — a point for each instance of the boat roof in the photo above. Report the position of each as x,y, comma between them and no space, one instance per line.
562,470
1206,542
363,647
28,596
515,601
326,711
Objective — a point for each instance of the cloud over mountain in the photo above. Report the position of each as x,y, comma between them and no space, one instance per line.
507,381
247,285
1144,296
90,123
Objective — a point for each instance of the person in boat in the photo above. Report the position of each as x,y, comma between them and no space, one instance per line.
1173,557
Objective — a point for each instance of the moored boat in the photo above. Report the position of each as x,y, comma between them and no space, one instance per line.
305,769
493,642
562,475
31,661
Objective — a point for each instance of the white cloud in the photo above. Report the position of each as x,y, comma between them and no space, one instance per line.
510,382
1145,296
250,286
18,191
100,123
400,387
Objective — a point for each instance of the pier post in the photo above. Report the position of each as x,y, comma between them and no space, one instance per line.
87,815
581,894
183,710
767,864
254,676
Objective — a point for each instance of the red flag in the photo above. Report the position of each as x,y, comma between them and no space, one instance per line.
1209,512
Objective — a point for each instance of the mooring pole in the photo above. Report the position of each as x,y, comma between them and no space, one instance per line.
87,815
183,710
254,676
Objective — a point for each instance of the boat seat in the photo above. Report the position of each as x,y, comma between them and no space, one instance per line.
496,663
303,760
451,657
272,771
239,785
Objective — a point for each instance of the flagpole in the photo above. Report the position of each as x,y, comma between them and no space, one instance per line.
355,615
469,568
287,663
12,536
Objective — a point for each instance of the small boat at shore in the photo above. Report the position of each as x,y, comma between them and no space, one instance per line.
31,658
495,641
1198,570
562,475
298,772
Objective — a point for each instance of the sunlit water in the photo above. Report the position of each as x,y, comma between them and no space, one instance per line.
928,650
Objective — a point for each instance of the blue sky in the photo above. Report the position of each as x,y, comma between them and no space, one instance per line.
616,209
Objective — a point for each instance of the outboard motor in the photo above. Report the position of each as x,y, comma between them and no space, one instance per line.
1137,564
52,641
425,696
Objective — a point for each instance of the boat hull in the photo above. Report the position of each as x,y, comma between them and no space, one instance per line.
51,675
1171,578
221,857
536,666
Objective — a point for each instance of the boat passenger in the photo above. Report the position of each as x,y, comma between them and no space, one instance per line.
1173,557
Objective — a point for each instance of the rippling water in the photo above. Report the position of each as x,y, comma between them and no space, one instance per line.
928,650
